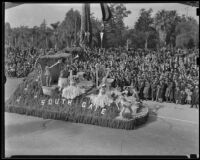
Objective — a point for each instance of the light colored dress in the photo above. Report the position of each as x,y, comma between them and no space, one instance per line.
72,91
104,97
101,100
62,82
189,96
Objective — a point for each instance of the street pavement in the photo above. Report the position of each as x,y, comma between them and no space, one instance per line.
171,130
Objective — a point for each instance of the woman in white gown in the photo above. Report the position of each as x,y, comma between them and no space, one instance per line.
72,91
104,97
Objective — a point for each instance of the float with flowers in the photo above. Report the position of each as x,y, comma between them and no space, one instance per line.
54,91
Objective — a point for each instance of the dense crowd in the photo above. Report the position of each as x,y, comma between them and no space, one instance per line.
164,75
19,62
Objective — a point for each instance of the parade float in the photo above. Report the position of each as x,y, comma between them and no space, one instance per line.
63,95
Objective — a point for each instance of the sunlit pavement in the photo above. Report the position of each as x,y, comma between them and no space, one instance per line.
11,85
171,130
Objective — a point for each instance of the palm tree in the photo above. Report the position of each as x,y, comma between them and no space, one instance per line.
33,35
55,28
165,23
25,38
161,23
47,36
16,37
8,33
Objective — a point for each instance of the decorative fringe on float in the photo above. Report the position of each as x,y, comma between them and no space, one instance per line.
81,118
101,100
72,92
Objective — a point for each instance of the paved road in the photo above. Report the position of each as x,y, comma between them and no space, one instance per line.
171,130
10,86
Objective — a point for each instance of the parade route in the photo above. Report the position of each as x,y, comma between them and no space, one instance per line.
171,130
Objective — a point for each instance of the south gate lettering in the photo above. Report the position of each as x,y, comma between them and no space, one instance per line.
59,101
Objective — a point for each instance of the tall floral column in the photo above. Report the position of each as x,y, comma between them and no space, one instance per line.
85,37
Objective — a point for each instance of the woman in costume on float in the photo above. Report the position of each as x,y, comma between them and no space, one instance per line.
104,97
63,80
48,74
128,104
72,91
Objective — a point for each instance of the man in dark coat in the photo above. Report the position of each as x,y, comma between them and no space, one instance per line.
141,88
153,90
146,90
172,91
158,92
183,97
163,90
177,95
167,92
195,97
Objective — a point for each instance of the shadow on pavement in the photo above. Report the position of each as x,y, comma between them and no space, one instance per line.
45,125
22,128
153,112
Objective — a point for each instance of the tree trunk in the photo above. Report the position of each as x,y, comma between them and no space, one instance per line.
46,43
32,40
36,40
75,31
55,39
146,43
127,46
55,43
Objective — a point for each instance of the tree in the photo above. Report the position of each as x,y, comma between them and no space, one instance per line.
96,28
42,35
187,33
48,34
55,29
191,44
8,33
69,28
165,23
115,28
144,24
43,25
15,37
24,39
34,35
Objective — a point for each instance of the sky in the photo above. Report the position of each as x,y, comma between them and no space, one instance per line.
33,14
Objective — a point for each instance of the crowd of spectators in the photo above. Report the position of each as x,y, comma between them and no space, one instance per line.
19,62
164,75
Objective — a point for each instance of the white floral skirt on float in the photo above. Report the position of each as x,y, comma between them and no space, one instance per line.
71,92
101,100
62,82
